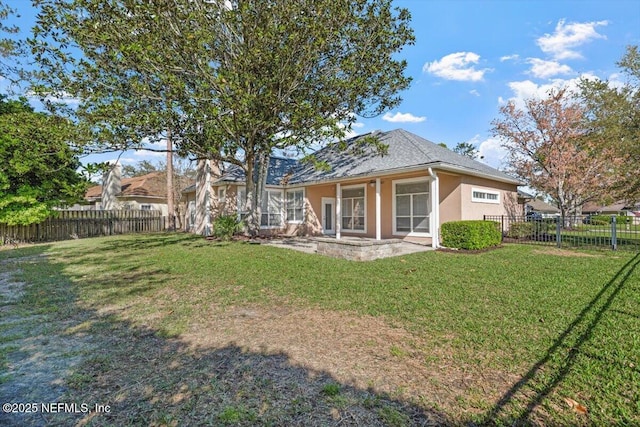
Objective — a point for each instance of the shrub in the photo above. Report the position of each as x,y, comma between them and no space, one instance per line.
225,226
520,230
600,219
471,234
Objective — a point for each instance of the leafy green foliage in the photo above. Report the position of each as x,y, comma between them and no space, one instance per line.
225,226
37,167
470,234
467,149
613,121
234,81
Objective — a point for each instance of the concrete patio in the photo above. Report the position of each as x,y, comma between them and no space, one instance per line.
353,248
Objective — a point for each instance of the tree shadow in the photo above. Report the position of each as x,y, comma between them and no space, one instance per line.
136,376
545,376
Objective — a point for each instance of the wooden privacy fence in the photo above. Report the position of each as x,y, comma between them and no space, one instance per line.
80,224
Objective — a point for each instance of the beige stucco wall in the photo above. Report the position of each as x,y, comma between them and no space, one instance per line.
136,203
477,210
455,193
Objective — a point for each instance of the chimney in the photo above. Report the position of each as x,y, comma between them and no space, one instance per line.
111,187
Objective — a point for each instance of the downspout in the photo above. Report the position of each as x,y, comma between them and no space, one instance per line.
435,209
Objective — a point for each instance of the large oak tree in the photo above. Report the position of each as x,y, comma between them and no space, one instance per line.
233,80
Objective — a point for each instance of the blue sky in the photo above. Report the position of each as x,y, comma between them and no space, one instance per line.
470,57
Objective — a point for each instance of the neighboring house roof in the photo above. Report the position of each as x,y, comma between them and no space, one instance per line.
615,207
538,205
406,150
153,184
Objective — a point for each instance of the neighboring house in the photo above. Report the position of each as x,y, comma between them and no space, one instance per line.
407,193
618,208
145,192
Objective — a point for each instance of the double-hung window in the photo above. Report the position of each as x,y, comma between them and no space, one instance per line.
271,209
411,206
353,208
295,205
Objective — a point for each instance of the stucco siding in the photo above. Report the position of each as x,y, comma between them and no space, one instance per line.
474,209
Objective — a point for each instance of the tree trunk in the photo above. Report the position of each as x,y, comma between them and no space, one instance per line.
171,210
256,181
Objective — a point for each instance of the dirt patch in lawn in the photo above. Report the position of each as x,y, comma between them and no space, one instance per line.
37,356
284,365
563,252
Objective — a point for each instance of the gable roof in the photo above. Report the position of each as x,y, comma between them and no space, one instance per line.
277,172
150,185
406,150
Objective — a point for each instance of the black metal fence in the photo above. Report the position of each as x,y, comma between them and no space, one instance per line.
80,224
579,231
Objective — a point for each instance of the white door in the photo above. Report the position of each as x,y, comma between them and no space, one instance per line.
328,215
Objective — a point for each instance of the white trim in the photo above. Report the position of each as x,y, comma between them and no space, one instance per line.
338,223
393,204
475,199
332,201
378,209
364,230
435,209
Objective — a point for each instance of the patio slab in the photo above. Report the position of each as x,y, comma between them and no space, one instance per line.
352,248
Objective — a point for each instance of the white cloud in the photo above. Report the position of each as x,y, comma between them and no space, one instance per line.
527,89
456,66
513,57
147,153
563,42
492,152
357,125
474,92
403,118
62,97
545,69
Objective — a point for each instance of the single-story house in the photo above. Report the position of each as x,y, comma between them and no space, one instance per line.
145,192
619,208
408,193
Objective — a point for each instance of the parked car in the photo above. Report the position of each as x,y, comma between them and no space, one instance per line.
533,216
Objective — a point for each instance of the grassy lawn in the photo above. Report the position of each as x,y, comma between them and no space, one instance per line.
188,330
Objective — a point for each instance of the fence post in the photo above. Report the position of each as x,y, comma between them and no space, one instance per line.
558,232
614,235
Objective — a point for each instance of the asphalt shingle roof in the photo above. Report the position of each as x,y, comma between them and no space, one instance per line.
406,150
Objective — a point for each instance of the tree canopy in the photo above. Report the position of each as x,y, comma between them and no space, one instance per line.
232,80
549,147
613,120
37,167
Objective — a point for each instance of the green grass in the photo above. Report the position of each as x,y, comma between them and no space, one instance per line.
568,325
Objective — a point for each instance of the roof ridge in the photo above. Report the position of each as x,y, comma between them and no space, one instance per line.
410,137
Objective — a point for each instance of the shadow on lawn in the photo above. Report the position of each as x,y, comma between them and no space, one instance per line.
150,380
147,379
543,377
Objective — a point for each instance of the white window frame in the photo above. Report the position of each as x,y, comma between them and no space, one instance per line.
342,210
484,191
240,203
286,205
146,207
221,194
394,207
282,212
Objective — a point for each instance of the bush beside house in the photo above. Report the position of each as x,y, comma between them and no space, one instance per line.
471,234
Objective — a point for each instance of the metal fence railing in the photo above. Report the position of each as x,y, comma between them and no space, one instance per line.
579,231
80,224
